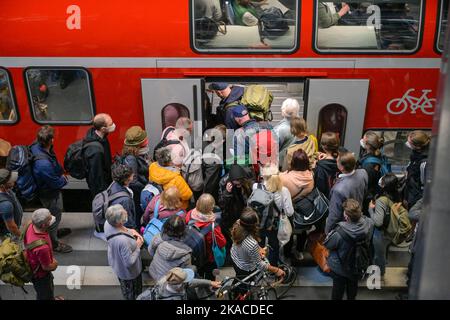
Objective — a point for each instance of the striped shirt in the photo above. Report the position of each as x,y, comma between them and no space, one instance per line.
246,255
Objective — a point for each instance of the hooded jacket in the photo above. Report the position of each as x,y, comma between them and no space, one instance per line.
98,161
225,107
299,183
168,177
232,203
167,253
326,173
339,247
47,172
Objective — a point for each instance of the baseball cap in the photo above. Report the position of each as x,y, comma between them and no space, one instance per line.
239,111
218,86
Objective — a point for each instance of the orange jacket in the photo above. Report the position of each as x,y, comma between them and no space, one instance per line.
168,177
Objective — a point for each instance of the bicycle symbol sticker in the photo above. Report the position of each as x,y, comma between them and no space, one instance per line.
401,105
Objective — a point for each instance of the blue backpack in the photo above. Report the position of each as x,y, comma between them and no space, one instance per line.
21,159
385,166
155,225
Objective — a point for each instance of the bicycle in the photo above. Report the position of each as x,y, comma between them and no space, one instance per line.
423,103
260,285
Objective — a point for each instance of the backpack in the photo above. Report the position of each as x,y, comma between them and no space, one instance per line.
263,202
151,190
14,266
206,28
192,172
273,23
21,159
258,99
195,239
74,162
164,142
397,224
358,258
385,166
101,203
310,209
155,225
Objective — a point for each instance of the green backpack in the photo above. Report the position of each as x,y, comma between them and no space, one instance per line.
258,100
399,226
14,266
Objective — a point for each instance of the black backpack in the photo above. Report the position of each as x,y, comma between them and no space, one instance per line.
273,23
74,162
358,258
164,142
206,28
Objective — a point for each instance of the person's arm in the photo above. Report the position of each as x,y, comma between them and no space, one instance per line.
255,256
335,211
183,187
378,212
46,172
45,259
96,160
7,214
129,257
287,202
12,227
332,240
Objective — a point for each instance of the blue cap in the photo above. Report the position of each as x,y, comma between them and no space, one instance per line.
239,111
218,86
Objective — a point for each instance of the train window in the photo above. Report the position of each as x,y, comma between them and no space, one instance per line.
442,25
368,26
60,95
245,26
395,149
333,118
8,113
171,112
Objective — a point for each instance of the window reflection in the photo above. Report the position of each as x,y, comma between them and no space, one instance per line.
7,107
333,118
233,25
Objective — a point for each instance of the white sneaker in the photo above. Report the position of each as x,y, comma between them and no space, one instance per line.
100,235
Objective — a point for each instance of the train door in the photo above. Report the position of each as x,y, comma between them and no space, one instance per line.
165,100
338,106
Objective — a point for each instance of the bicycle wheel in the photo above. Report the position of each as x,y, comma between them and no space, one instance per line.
398,108
266,294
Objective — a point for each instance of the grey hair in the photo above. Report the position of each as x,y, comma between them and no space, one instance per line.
40,217
290,108
163,156
116,215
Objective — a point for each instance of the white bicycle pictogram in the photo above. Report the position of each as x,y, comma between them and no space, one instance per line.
400,105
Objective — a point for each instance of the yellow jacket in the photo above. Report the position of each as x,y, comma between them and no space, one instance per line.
310,146
168,177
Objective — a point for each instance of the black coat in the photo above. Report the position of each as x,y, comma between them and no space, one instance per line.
98,161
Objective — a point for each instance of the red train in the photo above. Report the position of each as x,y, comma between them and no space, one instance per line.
375,67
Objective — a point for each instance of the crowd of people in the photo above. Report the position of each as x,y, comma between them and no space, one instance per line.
153,202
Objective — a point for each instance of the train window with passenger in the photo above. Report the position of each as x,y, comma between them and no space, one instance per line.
395,148
368,26
8,113
245,25
442,24
60,95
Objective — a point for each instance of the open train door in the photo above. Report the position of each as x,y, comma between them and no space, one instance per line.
337,105
165,100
